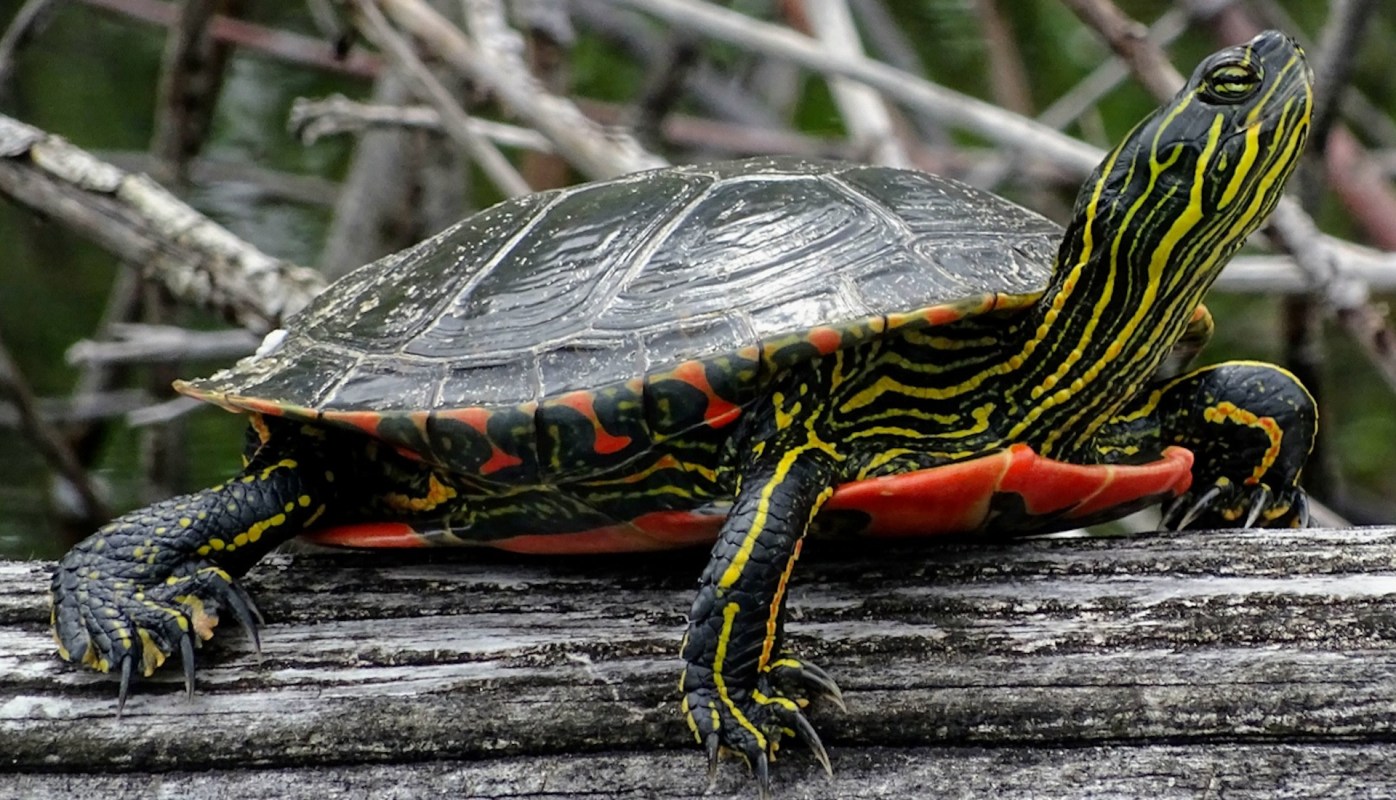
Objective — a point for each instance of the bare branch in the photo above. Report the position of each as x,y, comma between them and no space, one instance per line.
293,48
32,17
197,260
336,115
375,27
1334,59
716,92
164,413
262,183
954,108
1111,73
1130,41
892,44
1294,231
864,114
1008,79
191,77
83,408
1362,269
594,152
160,344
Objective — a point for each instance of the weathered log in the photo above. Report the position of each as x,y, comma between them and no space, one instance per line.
1235,664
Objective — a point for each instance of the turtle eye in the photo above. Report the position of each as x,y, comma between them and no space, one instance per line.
1231,82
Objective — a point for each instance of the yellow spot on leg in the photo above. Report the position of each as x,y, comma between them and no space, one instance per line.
151,656
203,622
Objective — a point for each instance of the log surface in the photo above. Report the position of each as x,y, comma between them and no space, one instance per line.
1234,664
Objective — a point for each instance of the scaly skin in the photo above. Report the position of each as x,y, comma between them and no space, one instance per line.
741,689
1251,427
1076,379
1074,376
156,580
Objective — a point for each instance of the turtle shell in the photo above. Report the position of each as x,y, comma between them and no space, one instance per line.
564,332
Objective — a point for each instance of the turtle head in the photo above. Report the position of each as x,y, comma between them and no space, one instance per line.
1179,195
1152,228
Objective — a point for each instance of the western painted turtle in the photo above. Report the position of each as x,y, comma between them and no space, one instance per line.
742,352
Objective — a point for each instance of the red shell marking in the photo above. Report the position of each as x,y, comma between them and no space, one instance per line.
370,536
955,498
584,403
661,530
719,412
825,339
477,419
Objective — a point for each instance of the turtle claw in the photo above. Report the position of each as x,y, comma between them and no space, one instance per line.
186,657
1180,514
112,614
713,744
247,614
803,729
761,768
124,688
803,681
1258,505
751,723
1301,510
1230,505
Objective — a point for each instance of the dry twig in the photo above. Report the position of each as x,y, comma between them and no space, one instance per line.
1334,59
454,119
865,115
1087,93
79,409
1130,41
292,48
718,93
31,19
953,108
310,120
483,59
162,344
197,260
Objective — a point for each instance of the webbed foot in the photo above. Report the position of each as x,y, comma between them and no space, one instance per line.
1225,504
118,608
752,723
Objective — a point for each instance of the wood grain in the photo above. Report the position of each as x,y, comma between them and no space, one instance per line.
1236,664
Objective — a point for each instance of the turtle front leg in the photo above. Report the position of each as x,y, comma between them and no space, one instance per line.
742,690
1250,426
149,582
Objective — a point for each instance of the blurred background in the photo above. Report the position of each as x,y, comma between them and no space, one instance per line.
220,101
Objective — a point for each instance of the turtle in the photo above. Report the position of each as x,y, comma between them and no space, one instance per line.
739,354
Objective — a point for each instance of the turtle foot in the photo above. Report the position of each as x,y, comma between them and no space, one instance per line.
124,615
803,682
1225,504
752,723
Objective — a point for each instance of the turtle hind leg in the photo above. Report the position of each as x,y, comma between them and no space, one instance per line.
1250,426
742,690
154,581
